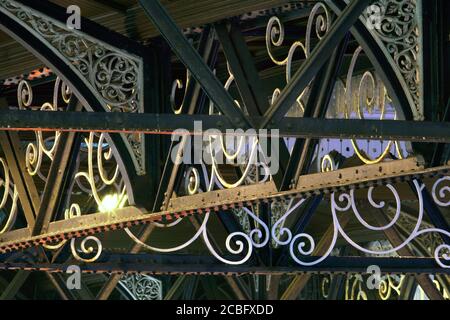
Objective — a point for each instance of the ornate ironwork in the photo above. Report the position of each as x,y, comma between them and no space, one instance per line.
91,176
398,33
302,245
142,287
319,23
114,76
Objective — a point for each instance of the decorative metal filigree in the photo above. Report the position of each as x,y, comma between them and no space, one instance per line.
114,76
142,287
360,97
302,245
97,173
428,242
398,33
44,147
354,288
319,23
244,242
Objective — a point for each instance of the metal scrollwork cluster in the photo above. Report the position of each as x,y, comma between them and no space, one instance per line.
97,173
319,23
142,287
237,243
114,76
360,96
246,154
103,183
303,245
341,203
398,33
44,147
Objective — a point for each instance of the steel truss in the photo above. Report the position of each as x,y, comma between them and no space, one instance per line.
132,136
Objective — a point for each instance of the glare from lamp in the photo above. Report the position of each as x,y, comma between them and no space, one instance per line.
109,203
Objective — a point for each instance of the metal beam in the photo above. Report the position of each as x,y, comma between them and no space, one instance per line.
316,107
194,62
192,99
174,288
114,279
434,213
312,65
60,286
148,123
15,158
140,264
238,288
249,83
242,67
61,171
5,283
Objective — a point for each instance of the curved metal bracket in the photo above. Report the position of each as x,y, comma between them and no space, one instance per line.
102,76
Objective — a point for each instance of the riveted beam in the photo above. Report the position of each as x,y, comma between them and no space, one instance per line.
149,123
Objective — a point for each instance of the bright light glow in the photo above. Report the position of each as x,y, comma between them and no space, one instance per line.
109,203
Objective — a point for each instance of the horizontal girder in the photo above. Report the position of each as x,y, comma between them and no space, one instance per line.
339,180
148,123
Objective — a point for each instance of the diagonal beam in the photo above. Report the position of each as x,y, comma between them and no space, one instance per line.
434,213
28,194
61,171
192,97
114,279
15,158
193,61
249,83
236,284
15,285
4,284
58,282
190,287
174,288
312,65
316,107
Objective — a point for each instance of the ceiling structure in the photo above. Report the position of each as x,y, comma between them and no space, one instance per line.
347,165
